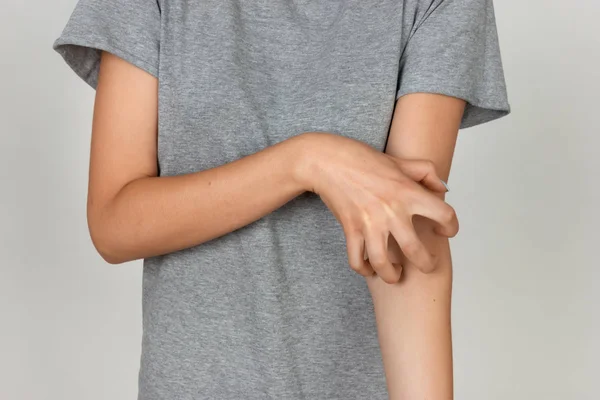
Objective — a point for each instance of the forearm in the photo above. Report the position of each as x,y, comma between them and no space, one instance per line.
157,215
413,322
413,316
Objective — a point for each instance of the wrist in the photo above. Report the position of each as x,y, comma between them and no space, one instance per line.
304,160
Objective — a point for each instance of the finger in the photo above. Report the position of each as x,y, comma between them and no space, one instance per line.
410,244
423,171
395,263
376,245
355,244
430,206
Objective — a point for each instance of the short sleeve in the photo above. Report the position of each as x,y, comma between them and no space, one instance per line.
129,29
453,50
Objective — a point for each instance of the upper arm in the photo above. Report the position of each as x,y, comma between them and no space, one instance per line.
114,46
453,49
124,129
425,126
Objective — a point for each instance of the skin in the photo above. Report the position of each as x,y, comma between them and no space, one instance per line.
132,213
413,315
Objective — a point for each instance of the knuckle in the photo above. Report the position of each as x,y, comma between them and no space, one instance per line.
356,263
345,218
391,278
455,229
377,260
411,247
449,214
356,266
351,228
396,203
389,212
376,214
427,269
365,272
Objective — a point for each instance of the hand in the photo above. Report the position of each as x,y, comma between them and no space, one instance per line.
372,195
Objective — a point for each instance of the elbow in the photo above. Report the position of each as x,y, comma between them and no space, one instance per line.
108,249
110,256
108,241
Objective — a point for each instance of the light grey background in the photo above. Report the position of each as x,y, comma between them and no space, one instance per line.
526,288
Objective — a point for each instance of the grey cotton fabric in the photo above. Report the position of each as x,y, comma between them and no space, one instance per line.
272,310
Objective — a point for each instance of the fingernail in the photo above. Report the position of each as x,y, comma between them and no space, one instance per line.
445,185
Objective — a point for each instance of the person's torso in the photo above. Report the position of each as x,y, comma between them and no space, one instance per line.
271,310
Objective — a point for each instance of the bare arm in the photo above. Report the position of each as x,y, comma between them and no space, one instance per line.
132,213
413,315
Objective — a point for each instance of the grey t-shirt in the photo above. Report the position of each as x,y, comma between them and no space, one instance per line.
272,310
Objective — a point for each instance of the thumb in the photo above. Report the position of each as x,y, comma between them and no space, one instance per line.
422,171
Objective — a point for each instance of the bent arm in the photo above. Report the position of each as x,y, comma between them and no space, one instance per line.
413,316
132,213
